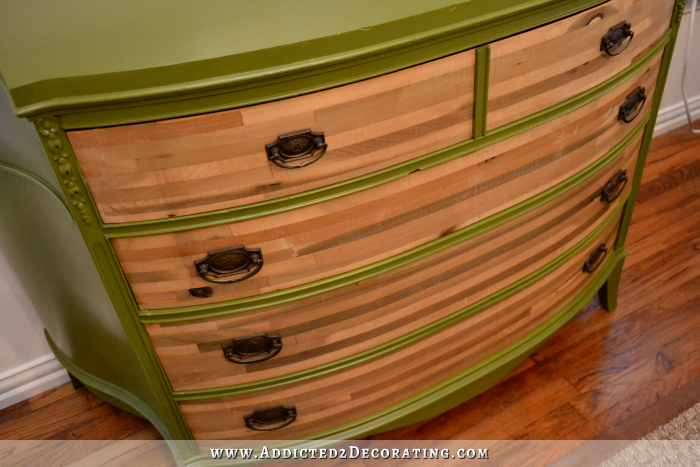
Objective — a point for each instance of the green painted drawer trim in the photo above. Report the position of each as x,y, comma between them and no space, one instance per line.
287,203
407,339
5,167
493,368
451,392
212,310
481,90
265,75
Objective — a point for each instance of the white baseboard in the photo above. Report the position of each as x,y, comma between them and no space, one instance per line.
673,116
31,379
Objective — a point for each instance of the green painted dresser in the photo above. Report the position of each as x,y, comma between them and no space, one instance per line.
319,220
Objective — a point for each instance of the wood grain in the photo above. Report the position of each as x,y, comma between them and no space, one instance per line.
525,403
346,321
341,397
535,70
66,413
323,240
635,362
215,161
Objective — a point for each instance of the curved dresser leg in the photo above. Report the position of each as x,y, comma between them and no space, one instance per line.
77,384
608,292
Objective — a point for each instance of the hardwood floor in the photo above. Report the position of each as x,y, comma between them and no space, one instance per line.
605,375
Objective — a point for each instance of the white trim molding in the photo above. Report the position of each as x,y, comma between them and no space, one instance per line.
673,116
31,379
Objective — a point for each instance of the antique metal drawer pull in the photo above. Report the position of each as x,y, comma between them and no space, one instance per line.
613,42
238,261
255,348
633,105
296,150
595,259
271,418
613,189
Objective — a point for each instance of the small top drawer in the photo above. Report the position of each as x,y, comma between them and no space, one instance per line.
543,67
219,160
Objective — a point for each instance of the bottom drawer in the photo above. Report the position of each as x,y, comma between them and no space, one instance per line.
329,401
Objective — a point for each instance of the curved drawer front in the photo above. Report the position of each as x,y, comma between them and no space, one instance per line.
215,161
346,321
535,70
330,401
326,239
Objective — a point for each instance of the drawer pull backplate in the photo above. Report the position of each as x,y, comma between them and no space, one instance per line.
271,418
253,349
633,105
595,259
296,150
613,42
218,266
613,189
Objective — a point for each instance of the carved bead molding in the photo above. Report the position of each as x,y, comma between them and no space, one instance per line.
49,129
680,8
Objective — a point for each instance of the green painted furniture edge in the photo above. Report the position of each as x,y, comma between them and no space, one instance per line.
112,391
256,302
451,392
295,70
5,167
90,380
481,90
307,198
649,134
406,339
62,160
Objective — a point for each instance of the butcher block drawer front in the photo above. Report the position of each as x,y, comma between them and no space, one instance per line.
319,241
220,160
329,401
543,67
324,328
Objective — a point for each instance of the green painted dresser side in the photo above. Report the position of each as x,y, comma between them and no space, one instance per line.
47,252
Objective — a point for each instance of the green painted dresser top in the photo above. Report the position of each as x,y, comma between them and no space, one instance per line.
94,64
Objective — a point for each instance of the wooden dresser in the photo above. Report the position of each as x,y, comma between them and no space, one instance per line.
333,230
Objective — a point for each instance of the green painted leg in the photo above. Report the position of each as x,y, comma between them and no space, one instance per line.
77,384
608,292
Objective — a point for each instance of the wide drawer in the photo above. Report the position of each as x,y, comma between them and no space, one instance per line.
543,67
219,160
313,331
329,238
350,394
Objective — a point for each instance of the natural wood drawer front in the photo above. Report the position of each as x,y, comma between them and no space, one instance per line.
349,320
347,395
540,68
214,161
333,237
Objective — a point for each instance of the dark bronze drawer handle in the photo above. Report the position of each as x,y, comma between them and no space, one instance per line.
255,348
218,266
595,259
633,105
270,418
296,150
613,42
613,189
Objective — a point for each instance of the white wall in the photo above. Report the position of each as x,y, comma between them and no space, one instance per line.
27,366
672,113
